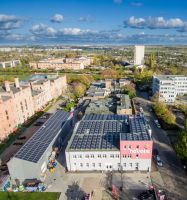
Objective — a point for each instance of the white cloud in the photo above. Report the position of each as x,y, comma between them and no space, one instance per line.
43,30
8,22
156,23
58,18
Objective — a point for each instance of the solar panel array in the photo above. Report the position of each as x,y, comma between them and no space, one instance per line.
35,147
103,131
137,129
98,132
105,117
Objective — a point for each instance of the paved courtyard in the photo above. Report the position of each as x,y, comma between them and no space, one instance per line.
75,185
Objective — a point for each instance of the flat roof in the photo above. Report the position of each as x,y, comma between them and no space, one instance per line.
35,147
168,77
125,102
137,131
102,132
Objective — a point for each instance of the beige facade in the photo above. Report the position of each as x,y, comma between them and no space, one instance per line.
18,103
63,63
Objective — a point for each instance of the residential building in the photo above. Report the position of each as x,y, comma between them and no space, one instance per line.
20,102
169,87
110,142
62,63
16,106
139,55
12,63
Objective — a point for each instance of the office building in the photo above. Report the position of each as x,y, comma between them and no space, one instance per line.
169,87
110,142
139,55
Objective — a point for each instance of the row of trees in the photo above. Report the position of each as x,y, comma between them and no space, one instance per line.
164,113
181,146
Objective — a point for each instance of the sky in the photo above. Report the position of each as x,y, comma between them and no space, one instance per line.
88,22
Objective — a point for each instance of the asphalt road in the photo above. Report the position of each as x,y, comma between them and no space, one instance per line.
172,172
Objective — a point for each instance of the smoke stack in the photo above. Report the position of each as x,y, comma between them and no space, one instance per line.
16,80
7,86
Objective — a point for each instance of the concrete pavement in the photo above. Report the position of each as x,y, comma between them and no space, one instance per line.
172,174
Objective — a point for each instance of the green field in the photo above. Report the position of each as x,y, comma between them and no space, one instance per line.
29,196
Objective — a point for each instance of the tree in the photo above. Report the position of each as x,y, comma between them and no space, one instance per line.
109,73
152,61
181,146
162,111
78,89
130,90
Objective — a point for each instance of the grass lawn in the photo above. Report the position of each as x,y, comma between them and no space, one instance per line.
29,196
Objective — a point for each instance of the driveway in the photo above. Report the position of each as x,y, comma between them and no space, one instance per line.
173,176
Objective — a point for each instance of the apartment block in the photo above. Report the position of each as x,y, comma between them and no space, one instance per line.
62,63
169,87
20,102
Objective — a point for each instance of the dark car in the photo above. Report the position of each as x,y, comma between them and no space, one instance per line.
18,143
38,123
148,195
155,152
22,137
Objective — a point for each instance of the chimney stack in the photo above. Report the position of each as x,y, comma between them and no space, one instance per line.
16,80
7,86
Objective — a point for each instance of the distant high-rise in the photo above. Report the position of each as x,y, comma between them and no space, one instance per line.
139,55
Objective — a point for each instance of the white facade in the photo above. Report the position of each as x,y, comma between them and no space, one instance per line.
104,161
169,87
139,55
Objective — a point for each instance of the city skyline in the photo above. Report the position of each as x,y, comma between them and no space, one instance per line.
93,22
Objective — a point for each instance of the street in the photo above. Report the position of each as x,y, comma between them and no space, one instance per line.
172,173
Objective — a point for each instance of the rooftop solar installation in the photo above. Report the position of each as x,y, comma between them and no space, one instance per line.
35,147
102,132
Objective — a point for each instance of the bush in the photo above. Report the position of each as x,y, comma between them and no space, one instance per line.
164,113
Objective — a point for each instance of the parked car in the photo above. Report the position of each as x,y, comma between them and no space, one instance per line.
22,137
141,109
158,161
18,143
157,123
39,123
155,152
148,195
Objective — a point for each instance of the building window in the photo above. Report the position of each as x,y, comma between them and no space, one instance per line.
112,155
104,155
74,156
99,155
137,156
99,164
93,164
124,155
137,146
124,164
74,163
117,155
92,156
129,146
81,165
125,147
87,164
86,156
130,164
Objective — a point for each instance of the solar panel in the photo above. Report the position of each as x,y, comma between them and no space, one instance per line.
35,147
